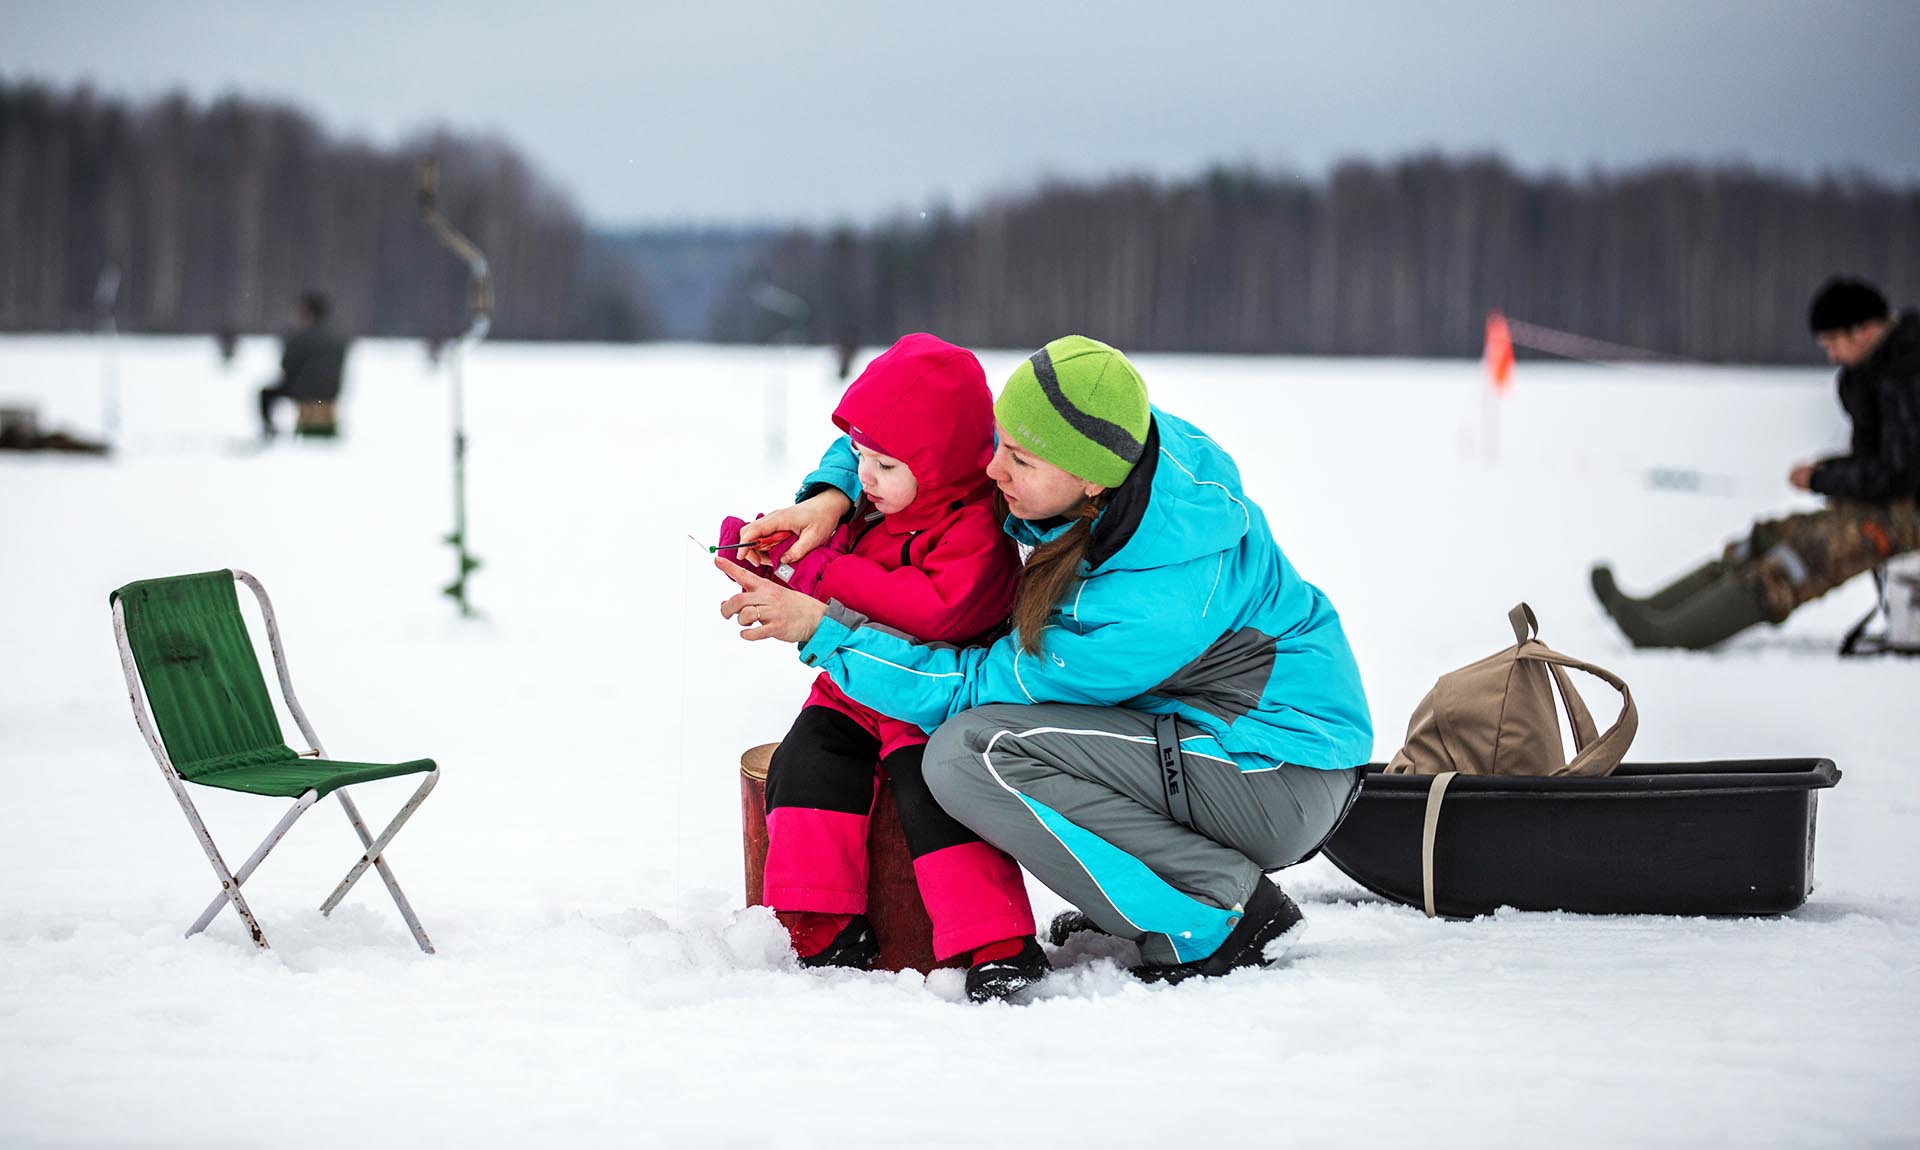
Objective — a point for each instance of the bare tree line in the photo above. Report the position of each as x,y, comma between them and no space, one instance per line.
217,217
1403,258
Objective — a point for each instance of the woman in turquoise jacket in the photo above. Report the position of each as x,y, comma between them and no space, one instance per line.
1176,710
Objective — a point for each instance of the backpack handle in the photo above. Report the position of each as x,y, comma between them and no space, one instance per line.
1526,629
1525,626
1588,746
1594,755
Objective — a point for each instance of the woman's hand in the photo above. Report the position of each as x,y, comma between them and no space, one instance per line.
811,520
1802,476
766,610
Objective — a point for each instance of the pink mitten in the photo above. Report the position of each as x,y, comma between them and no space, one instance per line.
804,576
729,549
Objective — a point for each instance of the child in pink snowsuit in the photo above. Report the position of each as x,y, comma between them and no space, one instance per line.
922,552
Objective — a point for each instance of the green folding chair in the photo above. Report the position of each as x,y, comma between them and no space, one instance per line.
186,653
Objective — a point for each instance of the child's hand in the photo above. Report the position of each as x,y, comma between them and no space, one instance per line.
812,522
766,610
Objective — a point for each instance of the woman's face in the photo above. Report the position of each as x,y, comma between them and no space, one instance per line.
888,485
1032,487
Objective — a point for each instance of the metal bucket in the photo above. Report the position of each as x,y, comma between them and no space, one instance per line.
1903,604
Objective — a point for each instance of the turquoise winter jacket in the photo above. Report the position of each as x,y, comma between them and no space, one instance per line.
1186,606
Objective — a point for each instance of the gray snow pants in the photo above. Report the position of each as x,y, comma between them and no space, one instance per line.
1154,844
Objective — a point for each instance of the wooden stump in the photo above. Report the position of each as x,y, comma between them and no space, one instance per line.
899,918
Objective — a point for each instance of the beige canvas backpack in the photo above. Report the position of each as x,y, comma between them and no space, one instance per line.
1496,717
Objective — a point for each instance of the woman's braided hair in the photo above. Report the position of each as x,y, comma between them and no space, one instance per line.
1051,571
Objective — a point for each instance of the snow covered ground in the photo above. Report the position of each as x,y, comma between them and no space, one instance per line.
579,866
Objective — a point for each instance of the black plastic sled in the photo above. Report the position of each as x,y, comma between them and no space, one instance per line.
1718,838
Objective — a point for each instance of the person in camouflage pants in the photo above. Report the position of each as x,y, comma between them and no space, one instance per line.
1798,558
1871,515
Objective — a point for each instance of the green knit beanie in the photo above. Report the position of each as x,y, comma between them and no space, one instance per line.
1079,405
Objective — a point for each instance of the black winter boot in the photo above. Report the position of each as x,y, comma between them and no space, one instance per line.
1269,915
1068,923
1001,977
1715,610
854,947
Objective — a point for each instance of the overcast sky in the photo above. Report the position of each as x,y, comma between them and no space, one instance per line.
815,111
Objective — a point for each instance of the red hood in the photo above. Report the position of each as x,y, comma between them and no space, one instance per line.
925,402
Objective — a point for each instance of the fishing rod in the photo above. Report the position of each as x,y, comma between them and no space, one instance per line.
480,318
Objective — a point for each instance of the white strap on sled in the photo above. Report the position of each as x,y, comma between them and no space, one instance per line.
1435,792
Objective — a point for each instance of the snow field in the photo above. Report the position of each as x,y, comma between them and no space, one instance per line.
579,865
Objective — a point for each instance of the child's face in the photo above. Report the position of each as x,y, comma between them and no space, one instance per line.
888,485
1032,487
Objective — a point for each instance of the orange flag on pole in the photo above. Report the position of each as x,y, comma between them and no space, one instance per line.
1498,355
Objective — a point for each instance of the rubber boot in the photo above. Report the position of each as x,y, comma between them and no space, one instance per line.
1714,613
1668,597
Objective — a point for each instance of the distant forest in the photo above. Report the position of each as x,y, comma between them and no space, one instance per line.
217,217
1395,259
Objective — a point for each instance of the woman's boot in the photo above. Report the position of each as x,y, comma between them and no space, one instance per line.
1269,916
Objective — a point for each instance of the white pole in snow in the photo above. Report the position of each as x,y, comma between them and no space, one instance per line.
480,320
795,311
106,294
773,401
1489,425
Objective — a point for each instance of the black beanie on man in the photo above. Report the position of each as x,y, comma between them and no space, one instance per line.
1843,303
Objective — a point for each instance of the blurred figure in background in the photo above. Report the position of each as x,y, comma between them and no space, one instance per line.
846,346
1871,513
310,366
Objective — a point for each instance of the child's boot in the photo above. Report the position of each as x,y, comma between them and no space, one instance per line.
831,939
1003,968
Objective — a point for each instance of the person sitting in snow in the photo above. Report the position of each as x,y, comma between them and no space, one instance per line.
312,359
915,545
1176,710
1871,512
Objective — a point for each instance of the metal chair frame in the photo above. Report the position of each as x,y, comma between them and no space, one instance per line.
231,880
